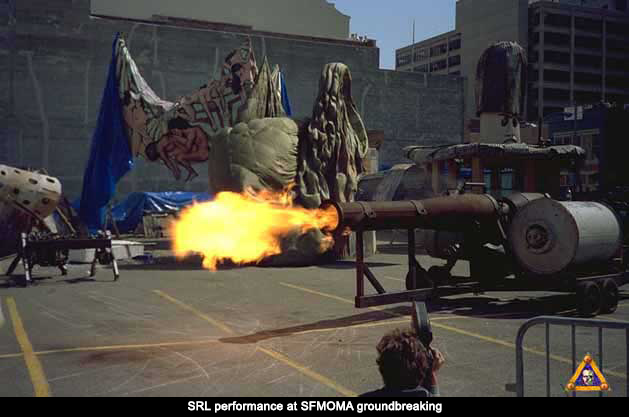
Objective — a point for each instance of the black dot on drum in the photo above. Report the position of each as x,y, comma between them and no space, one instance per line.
3,173
32,181
50,180
45,200
26,202
17,171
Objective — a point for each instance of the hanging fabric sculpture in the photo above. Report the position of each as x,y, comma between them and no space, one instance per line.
110,155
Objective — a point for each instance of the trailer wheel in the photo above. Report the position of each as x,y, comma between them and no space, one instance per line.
439,274
588,299
609,296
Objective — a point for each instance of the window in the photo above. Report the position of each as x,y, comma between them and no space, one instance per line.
557,57
590,25
454,60
616,45
421,68
455,44
617,64
556,94
556,76
535,19
421,54
558,20
617,81
439,49
617,28
403,60
587,97
587,42
588,78
596,146
534,38
588,61
557,39
437,66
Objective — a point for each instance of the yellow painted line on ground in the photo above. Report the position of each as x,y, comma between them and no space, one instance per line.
35,370
379,324
128,347
461,331
394,279
334,297
195,312
11,355
276,355
310,373
1,315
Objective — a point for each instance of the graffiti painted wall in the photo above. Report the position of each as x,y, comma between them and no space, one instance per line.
57,59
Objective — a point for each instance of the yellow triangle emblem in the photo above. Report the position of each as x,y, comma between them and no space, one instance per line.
587,377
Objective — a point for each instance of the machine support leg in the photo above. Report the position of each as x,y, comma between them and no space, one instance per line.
14,264
93,266
25,259
110,251
360,265
412,262
374,281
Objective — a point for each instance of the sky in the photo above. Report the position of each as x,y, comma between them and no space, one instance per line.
390,22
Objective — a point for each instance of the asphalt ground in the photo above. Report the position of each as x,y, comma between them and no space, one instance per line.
174,329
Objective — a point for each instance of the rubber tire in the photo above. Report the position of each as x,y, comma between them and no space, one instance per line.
589,299
439,274
609,296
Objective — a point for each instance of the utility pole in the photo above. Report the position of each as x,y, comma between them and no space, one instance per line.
413,49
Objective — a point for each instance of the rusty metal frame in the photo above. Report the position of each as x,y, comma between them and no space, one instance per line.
383,297
29,246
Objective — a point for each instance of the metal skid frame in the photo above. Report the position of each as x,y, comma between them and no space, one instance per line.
103,250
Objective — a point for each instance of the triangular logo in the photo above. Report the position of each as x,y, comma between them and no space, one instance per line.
587,377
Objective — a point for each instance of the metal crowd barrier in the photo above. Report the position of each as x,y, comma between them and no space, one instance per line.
573,323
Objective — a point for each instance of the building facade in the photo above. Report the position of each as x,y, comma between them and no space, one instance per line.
578,49
577,55
55,67
296,17
600,131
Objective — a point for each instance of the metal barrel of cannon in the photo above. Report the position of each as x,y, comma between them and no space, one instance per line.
456,213
548,236
444,213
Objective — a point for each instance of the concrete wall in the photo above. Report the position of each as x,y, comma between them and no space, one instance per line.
298,17
481,23
52,82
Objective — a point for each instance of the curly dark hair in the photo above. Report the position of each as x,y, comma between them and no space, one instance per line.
402,359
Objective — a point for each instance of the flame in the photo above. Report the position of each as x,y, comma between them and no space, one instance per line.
245,228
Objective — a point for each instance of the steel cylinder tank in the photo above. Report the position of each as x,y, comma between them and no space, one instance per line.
548,236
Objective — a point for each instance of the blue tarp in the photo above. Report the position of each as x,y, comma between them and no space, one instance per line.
110,154
285,101
128,214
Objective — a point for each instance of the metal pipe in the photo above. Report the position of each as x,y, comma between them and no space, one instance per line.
441,213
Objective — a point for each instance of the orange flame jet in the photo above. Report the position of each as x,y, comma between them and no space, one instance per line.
245,228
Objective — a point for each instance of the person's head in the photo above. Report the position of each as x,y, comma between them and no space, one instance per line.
402,360
178,124
151,152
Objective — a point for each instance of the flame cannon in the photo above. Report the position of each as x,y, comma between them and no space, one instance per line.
523,241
